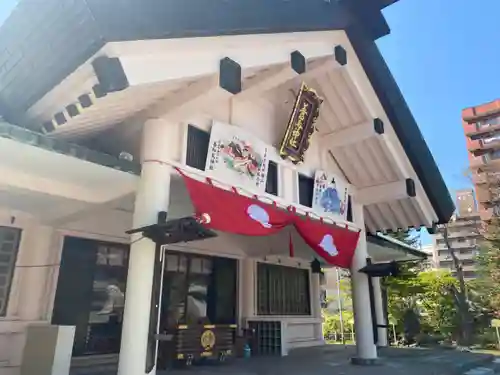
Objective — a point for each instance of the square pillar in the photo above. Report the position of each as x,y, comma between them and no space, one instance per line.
366,351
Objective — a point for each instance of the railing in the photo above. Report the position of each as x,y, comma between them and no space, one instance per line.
483,124
462,223
488,193
22,135
489,178
457,246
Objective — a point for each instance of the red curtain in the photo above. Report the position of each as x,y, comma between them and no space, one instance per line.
228,211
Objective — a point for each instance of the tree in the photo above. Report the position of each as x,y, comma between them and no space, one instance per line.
430,295
465,321
410,237
403,291
437,303
332,326
487,284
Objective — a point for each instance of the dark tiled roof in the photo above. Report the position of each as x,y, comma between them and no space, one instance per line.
387,241
44,41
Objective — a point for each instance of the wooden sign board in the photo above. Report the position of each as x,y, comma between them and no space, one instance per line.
301,125
495,323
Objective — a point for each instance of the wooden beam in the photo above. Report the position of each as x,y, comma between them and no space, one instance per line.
353,134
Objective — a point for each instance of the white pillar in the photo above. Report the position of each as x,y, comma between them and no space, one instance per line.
316,305
365,346
152,196
379,311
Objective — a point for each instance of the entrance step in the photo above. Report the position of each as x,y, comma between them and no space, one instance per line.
489,369
480,371
95,365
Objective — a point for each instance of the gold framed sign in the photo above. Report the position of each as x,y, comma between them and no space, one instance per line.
301,125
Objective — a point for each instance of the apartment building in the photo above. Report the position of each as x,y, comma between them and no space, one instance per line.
430,251
259,153
482,130
463,236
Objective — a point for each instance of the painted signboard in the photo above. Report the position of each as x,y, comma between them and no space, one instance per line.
237,157
330,197
301,125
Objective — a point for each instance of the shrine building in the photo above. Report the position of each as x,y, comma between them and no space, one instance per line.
176,177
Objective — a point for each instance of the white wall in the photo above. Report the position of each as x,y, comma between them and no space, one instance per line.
268,122
35,277
297,331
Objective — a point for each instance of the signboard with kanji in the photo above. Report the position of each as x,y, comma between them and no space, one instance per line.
301,125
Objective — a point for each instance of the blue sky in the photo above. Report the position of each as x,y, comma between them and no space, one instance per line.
444,55
5,8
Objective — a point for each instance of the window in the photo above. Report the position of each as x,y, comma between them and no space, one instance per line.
282,290
306,190
91,293
198,289
492,138
468,262
493,155
349,209
197,147
9,246
272,178
489,122
446,264
469,274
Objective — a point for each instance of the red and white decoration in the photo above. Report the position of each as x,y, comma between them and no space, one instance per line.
237,156
229,211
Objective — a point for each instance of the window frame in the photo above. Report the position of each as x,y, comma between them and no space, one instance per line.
194,128
11,269
276,176
283,281
185,269
305,178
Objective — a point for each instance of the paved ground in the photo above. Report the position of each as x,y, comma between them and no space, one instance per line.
333,359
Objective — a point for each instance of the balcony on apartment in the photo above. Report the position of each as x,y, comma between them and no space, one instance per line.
484,143
486,163
481,112
459,244
488,195
489,213
482,127
467,264
486,178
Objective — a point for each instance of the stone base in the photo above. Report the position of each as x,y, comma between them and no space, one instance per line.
364,361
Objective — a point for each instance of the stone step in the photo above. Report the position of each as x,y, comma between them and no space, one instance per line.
480,371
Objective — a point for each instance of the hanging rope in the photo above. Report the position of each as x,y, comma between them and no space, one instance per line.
188,172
